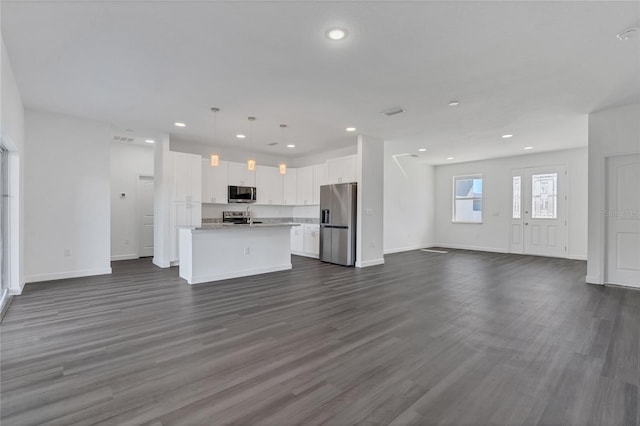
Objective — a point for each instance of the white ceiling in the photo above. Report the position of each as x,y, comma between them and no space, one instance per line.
533,69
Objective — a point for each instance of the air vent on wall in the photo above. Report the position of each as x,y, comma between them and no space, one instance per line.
123,139
393,111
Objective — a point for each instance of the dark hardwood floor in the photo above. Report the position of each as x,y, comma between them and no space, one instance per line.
428,338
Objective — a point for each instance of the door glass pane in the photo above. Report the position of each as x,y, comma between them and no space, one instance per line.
516,197
544,189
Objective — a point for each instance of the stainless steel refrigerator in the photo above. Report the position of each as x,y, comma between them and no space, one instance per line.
338,223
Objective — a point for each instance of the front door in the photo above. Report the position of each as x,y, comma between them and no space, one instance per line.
541,213
622,215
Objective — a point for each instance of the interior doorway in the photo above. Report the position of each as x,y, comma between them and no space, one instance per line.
622,220
539,211
145,216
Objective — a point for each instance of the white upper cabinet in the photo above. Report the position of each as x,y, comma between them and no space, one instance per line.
214,182
239,175
290,188
186,177
341,170
304,186
270,185
319,179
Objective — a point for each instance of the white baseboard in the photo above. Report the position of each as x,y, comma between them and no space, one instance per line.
577,257
407,248
372,262
124,257
474,248
237,274
304,254
66,274
160,264
591,279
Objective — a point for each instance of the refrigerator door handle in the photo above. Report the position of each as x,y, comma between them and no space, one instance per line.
325,216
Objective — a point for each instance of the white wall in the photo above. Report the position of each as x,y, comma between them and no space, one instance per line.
370,177
67,225
494,233
225,153
408,202
128,162
12,137
615,131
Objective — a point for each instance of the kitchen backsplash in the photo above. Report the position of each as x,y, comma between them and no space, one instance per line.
212,213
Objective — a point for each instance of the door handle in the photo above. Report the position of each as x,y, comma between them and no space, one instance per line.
526,223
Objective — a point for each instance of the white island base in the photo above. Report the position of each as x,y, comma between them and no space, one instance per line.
221,252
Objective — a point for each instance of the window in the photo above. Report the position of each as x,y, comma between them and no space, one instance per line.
516,198
467,199
544,192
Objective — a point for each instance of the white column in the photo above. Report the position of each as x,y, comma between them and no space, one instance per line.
161,202
370,176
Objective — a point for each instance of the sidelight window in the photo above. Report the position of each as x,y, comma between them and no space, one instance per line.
467,199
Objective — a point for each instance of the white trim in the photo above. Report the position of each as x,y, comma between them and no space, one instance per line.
67,274
408,248
237,274
304,254
474,248
124,257
577,256
372,262
159,263
591,279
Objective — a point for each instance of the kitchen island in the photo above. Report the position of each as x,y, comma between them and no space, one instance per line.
221,251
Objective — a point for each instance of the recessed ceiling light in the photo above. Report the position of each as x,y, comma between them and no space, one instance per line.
628,34
150,141
528,147
507,136
180,124
422,149
336,33
240,136
450,158
291,145
350,129
454,103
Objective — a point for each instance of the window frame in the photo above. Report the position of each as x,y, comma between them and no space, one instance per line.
454,198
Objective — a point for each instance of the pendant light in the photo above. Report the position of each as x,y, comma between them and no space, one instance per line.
251,164
283,167
215,158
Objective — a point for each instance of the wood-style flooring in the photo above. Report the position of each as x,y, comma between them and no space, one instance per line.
460,338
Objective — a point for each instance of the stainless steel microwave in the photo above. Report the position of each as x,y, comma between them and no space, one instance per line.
242,194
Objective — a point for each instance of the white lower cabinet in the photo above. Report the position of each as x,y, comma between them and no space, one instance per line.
311,240
297,234
305,240
182,214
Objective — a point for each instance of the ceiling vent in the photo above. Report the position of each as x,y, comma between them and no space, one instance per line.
393,111
125,139
272,144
